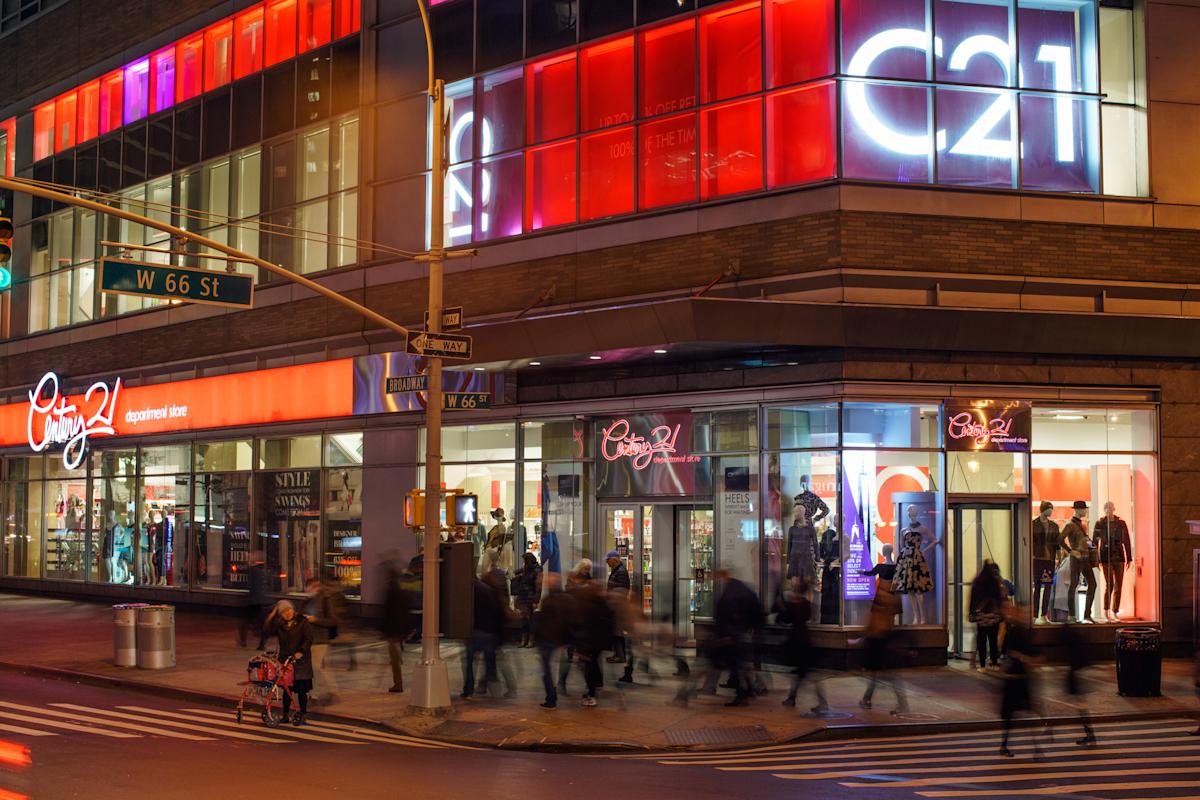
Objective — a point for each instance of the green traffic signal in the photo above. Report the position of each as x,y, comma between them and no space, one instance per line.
6,235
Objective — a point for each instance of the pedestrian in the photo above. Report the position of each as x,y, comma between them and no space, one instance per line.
591,631
797,610
527,590
552,631
1017,693
987,612
1076,647
880,640
618,594
294,634
490,606
401,606
1079,546
577,580
324,612
737,618
258,604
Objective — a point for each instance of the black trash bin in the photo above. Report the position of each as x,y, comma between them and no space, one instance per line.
1139,662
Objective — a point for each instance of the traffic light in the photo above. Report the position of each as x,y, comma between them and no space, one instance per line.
6,235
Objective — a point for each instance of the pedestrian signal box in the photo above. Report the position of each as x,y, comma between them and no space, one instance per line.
6,235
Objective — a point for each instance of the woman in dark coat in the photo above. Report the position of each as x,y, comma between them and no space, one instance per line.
295,636
527,590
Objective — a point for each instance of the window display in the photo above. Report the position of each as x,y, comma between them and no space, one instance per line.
343,529
801,536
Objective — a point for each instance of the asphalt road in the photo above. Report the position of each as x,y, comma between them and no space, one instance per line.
99,743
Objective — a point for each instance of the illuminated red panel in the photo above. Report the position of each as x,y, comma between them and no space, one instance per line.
731,52
112,100
162,80
667,153
281,31
606,84
790,22
65,119
666,73
8,157
218,52
801,135
550,98
316,23
248,42
137,90
43,131
550,186
731,144
606,174
87,125
347,18
189,68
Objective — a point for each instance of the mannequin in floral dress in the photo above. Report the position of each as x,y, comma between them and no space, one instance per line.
913,578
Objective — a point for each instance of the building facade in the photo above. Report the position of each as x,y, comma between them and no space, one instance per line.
789,288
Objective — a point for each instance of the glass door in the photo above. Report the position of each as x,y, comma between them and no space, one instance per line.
978,533
693,568
621,524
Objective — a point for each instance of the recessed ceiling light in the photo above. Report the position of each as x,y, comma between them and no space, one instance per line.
479,369
660,351
594,358
535,363
793,363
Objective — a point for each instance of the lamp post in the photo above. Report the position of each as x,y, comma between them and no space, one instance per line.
431,682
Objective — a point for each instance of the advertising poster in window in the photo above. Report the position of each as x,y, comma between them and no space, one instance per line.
343,559
289,505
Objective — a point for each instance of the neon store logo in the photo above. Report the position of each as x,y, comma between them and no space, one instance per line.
618,441
983,432
57,420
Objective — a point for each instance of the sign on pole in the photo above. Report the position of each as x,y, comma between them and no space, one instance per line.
408,383
138,279
452,318
466,401
439,345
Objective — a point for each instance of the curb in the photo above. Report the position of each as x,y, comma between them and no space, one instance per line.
828,733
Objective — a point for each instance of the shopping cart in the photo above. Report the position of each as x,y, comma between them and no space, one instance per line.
267,681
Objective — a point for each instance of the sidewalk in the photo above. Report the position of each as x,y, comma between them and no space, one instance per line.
74,639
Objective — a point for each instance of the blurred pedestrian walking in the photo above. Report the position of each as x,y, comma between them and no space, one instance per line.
526,584
881,649
1076,647
577,579
294,634
401,617
325,610
258,603
737,617
797,610
591,630
618,589
552,631
987,612
1017,694
490,606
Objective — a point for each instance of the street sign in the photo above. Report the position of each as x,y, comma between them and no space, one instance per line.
408,383
135,278
439,345
452,318
466,401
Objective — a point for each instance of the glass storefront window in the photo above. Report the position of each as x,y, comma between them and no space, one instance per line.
725,431
802,427
892,513
224,456
492,442
736,505
891,425
164,519
221,544
22,546
801,530
556,439
343,529
562,505
287,527
291,451
987,473
343,449
66,525
116,536
1093,429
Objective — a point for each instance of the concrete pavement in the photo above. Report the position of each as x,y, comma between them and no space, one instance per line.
74,639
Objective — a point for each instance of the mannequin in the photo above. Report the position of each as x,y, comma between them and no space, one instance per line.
1110,538
831,575
497,536
802,549
814,507
1046,537
885,571
112,548
1075,541
913,578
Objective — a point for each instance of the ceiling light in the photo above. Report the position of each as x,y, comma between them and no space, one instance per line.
973,465
594,358
793,363
660,352
535,363
1069,417
479,369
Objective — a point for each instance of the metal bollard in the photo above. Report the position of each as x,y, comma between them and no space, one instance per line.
156,637
125,634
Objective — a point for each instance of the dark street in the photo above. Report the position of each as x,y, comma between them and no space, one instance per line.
107,744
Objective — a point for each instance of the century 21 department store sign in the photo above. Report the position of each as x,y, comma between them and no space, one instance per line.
52,420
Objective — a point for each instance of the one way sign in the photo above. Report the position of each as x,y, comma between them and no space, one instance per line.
439,345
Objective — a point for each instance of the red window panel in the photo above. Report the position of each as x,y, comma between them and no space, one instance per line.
731,143
502,108
667,153
801,135
281,31
606,84
316,23
790,22
248,42
551,98
8,154
66,116
550,186
218,53
43,131
606,174
162,80
347,18
731,52
498,209
189,68
112,99
87,125
666,68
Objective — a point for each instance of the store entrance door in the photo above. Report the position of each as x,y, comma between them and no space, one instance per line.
668,550
978,532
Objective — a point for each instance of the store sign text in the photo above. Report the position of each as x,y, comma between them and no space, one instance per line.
618,441
55,420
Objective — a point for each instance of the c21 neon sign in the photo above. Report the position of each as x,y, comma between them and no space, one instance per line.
618,441
54,419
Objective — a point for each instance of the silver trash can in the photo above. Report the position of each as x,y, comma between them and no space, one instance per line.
156,637
125,634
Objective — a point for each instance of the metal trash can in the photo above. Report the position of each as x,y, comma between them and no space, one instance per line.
125,634
156,637
1139,662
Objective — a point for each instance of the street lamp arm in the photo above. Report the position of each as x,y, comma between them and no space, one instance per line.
18,185
421,4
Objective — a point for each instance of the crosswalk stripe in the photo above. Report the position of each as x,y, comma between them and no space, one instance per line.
399,737
250,737
1106,773
128,726
67,726
1105,748
1005,763
25,731
350,730
280,731
1075,789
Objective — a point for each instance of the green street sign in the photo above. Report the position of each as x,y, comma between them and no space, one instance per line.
466,401
176,283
